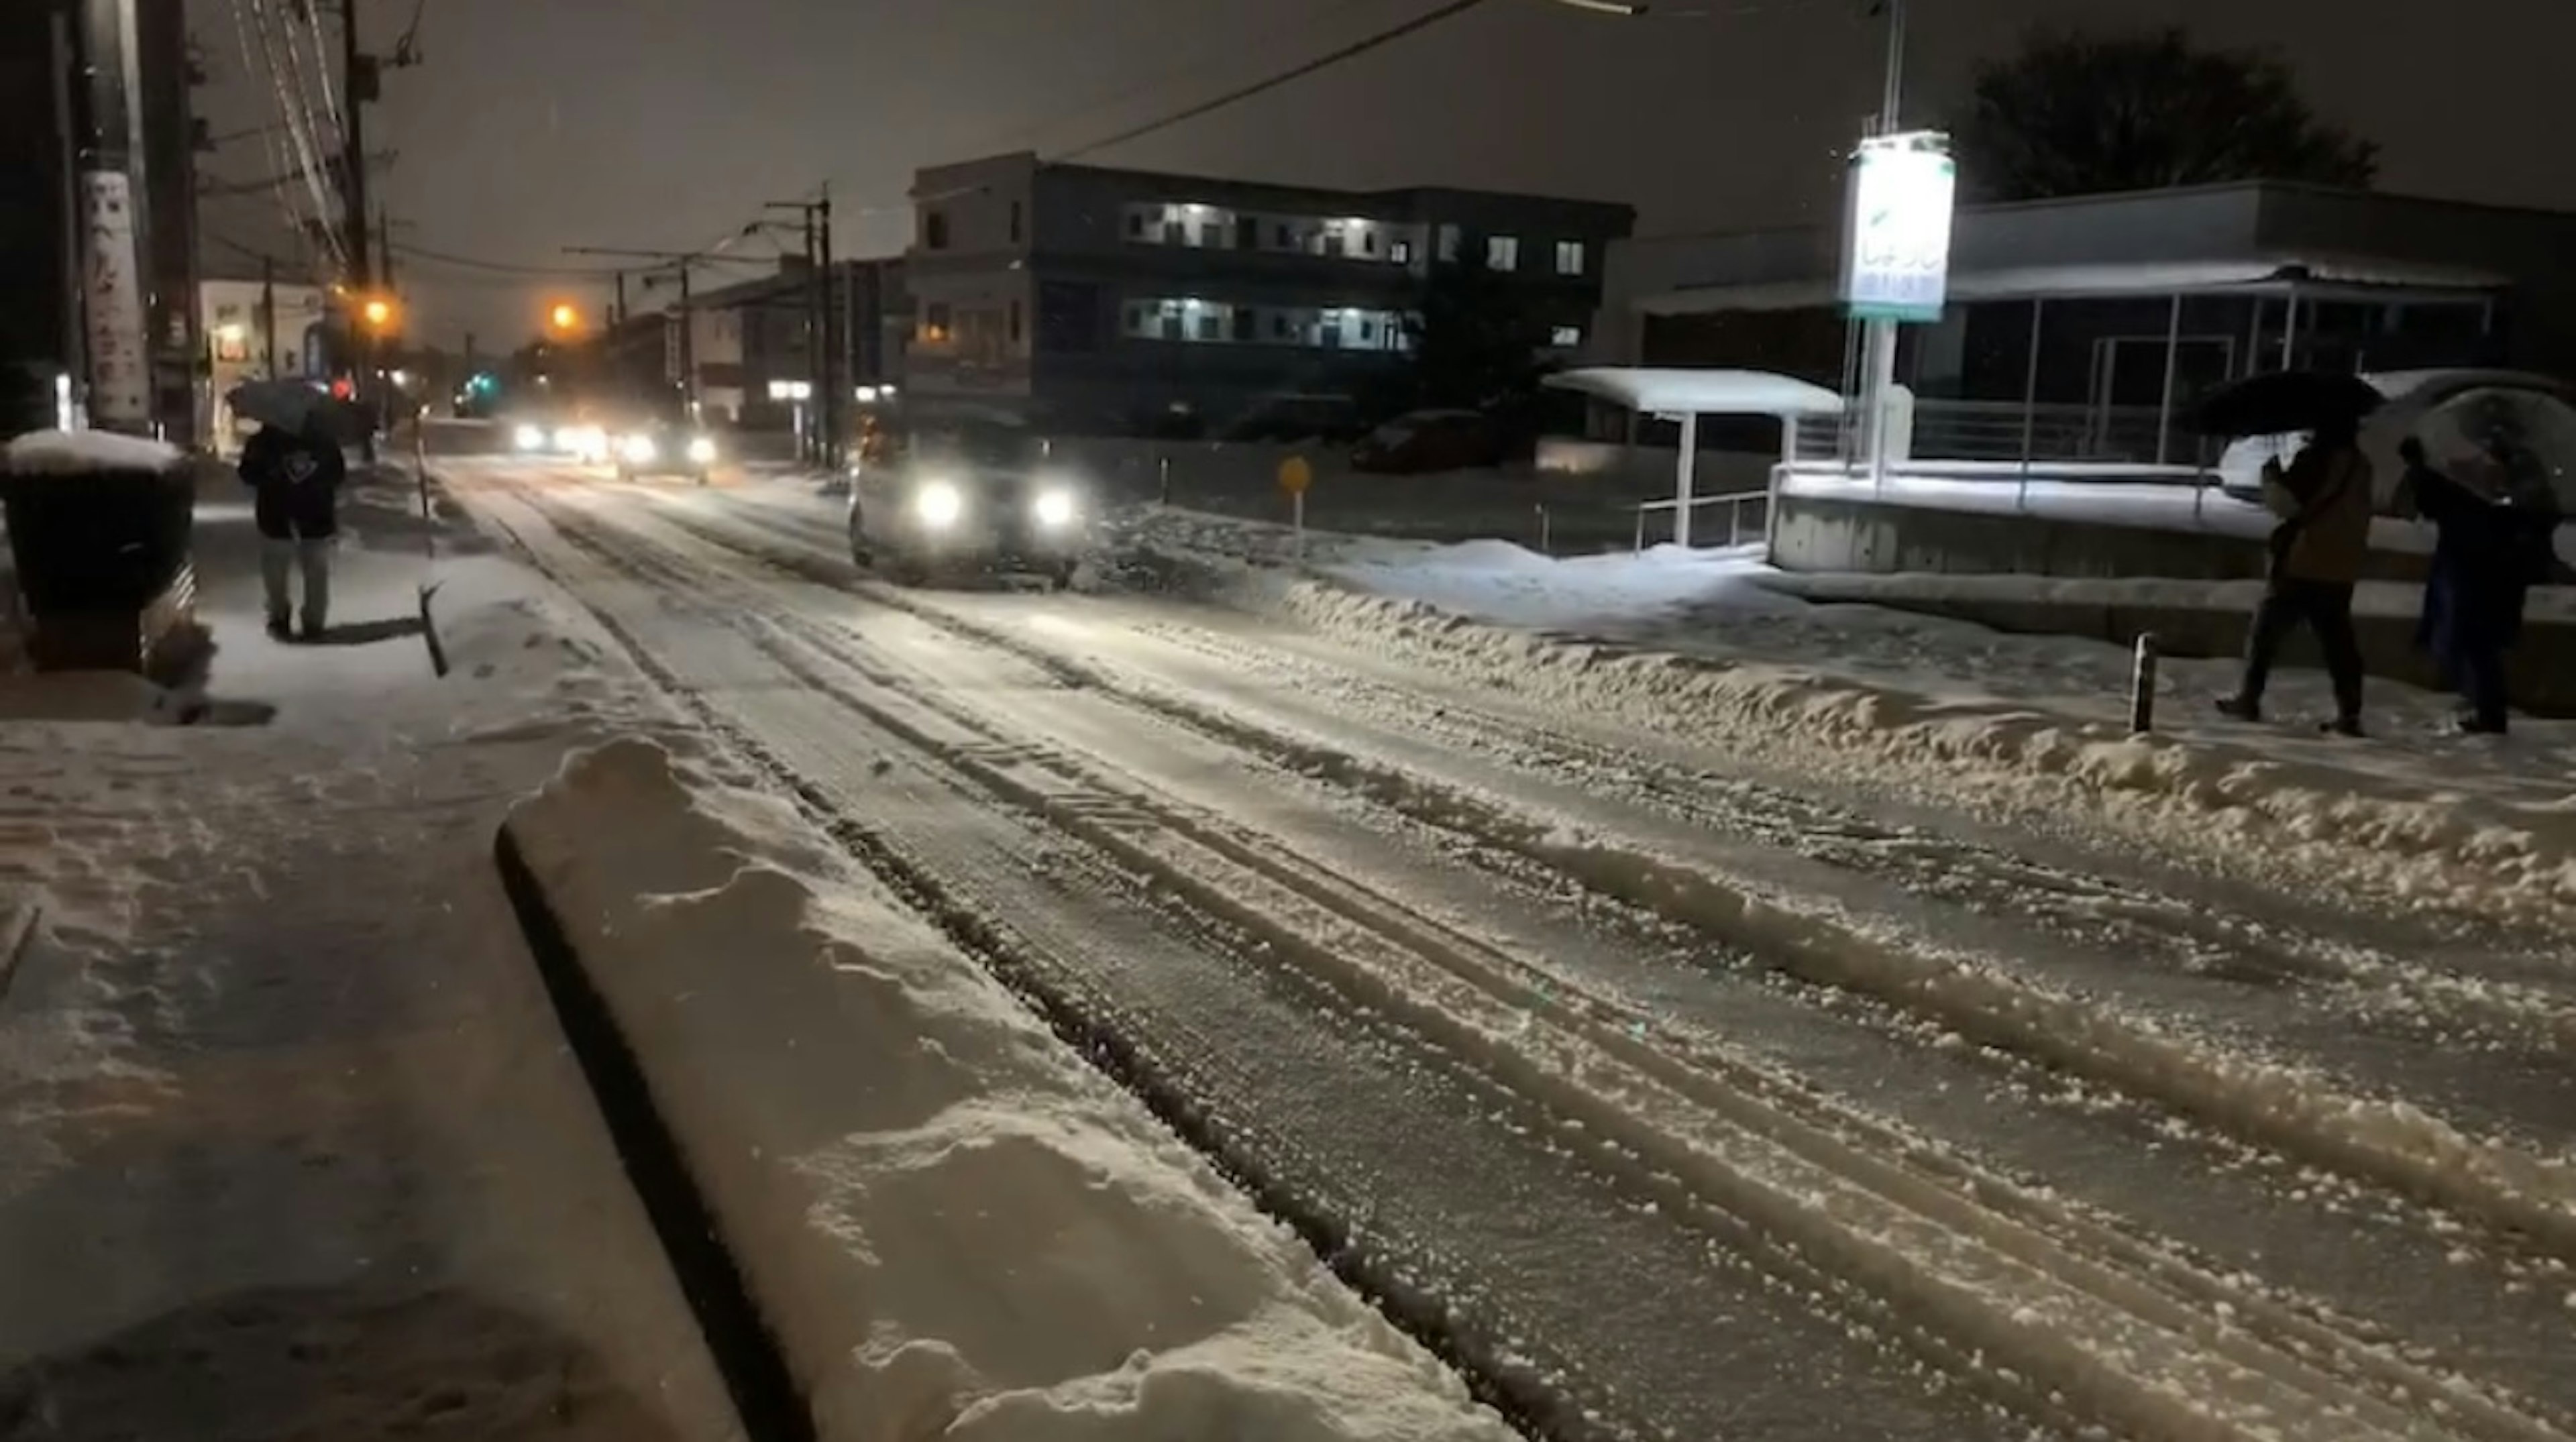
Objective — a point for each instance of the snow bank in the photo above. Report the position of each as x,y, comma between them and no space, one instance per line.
2409,838
1503,582
76,453
951,1224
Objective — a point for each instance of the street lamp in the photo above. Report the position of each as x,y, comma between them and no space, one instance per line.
564,317
378,313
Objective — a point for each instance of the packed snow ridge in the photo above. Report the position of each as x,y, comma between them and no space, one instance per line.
952,1225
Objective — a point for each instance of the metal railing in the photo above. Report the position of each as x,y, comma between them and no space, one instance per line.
1949,430
1734,501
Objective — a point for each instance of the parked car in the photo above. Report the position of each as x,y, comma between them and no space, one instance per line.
1423,441
978,494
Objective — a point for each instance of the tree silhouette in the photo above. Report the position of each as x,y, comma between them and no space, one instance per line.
2086,114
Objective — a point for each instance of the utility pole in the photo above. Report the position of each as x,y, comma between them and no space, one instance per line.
618,317
385,247
358,85
268,310
1879,336
829,402
114,343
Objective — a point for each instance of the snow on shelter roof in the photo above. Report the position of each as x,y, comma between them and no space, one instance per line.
74,453
1701,392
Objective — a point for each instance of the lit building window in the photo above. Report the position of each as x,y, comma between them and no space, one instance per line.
1566,337
1401,252
1569,257
1502,252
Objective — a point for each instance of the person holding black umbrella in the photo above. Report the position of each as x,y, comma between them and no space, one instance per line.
2324,501
295,476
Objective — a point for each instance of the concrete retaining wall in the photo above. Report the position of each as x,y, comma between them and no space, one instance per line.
1829,535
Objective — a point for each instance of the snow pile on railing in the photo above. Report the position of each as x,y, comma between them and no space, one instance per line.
950,1225
2407,838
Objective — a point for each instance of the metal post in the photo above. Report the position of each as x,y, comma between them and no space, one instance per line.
2164,407
2030,402
619,316
1882,382
1685,475
115,345
2290,333
2142,686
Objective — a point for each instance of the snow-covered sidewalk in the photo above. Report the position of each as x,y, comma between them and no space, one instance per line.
290,1145
2036,727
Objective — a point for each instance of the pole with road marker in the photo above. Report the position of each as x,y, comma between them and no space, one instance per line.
2142,686
1295,476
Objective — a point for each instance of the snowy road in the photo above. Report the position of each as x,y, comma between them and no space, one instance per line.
1674,1099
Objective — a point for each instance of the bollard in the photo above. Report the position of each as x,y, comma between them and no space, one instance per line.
2142,686
1163,477
1543,548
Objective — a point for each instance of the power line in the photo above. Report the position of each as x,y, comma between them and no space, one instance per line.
1326,61
503,267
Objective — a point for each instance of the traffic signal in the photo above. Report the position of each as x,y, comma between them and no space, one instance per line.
484,383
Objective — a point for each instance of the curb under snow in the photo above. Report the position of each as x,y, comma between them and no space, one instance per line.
939,1221
2254,815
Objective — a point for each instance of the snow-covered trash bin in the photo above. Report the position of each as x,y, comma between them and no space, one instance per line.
99,528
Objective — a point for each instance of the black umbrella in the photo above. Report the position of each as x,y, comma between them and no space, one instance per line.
2280,402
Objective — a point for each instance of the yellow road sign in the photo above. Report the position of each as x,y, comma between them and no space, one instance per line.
1295,475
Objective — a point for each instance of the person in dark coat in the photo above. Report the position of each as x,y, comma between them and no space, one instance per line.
2472,594
295,478
2318,551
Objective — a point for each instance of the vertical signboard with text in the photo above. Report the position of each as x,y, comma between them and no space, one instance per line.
1896,242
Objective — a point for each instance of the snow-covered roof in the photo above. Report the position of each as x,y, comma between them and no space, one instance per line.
71,453
2072,282
1702,392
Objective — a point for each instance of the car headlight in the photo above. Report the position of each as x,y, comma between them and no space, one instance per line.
702,450
1054,507
529,438
639,450
939,504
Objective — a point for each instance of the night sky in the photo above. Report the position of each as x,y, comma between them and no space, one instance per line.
664,123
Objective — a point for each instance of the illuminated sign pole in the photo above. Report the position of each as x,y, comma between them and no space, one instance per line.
1896,258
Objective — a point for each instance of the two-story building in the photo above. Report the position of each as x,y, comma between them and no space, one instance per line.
256,328
1110,301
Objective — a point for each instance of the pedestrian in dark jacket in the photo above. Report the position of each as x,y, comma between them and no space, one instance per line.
295,479
2318,550
2473,595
